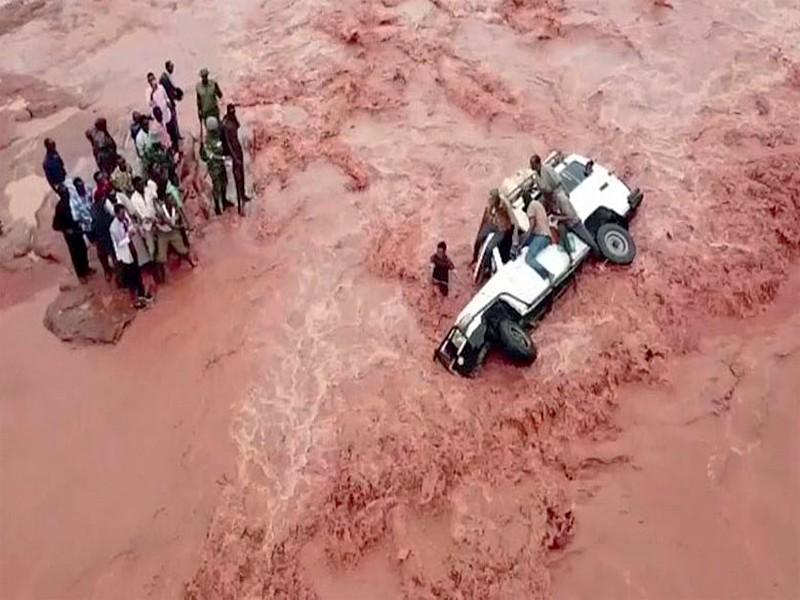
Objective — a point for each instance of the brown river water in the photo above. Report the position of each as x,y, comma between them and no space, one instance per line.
275,428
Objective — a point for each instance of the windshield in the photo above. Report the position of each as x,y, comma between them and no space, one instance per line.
573,175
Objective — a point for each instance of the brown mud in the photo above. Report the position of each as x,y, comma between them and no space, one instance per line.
361,469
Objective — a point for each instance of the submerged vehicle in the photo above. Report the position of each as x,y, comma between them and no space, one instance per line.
515,295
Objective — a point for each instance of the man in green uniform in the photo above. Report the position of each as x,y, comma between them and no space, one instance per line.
158,162
208,95
213,154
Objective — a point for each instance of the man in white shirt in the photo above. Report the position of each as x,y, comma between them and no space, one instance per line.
158,129
157,97
144,212
120,230
142,141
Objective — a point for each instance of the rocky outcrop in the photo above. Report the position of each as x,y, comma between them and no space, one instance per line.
16,242
86,314
48,244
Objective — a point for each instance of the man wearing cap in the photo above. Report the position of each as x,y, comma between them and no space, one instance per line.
208,95
212,152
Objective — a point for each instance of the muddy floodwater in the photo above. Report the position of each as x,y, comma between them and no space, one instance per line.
274,426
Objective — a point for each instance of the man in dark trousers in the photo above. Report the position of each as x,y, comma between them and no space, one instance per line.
64,222
53,166
102,215
442,265
233,148
556,201
120,231
174,93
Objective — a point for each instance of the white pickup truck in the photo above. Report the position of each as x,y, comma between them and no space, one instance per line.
516,296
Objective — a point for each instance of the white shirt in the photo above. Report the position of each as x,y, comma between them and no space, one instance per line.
125,201
159,132
143,206
141,141
151,192
159,98
122,241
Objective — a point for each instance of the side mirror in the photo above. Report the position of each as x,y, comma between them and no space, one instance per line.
587,170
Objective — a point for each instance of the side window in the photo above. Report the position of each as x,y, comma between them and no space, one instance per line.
572,175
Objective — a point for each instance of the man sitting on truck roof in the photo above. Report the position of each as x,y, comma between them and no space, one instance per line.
537,239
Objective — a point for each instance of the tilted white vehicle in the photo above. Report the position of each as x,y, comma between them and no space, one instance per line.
515,294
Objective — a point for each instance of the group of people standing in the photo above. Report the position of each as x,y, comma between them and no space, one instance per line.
134,217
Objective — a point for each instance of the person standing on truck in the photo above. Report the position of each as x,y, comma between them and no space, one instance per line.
442,265
557,202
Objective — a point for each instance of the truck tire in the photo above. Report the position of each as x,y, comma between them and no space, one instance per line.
516,343
616,244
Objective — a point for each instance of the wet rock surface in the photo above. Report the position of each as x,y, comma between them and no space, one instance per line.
16,241
87,314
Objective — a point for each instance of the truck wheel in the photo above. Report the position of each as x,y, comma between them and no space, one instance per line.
616,244
517,344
